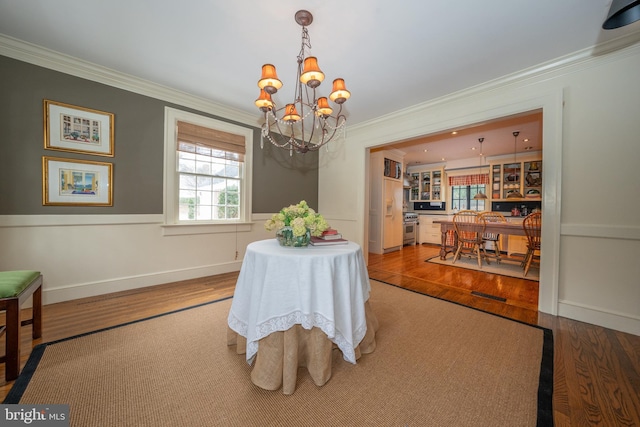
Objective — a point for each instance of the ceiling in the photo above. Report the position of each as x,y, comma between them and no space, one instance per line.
392,55
456,144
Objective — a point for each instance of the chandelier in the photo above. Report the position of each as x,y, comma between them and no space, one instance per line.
285,127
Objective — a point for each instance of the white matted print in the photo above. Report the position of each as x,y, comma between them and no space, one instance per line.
77,129
76,182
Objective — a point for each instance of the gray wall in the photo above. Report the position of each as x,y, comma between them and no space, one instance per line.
278,180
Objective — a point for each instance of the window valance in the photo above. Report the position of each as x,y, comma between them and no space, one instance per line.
474,179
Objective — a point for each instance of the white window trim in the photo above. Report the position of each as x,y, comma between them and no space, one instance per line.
171,223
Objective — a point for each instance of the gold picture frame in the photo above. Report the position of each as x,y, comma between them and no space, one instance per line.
78,129
73,182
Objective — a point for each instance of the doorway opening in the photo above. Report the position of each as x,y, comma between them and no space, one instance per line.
452,148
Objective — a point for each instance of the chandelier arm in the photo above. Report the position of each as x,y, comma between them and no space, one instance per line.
267,131
330,131
289,143
274,142
286,141
336,118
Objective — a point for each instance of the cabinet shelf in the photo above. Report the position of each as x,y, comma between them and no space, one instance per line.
427,185
515,176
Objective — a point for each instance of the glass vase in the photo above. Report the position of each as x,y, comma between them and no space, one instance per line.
286,238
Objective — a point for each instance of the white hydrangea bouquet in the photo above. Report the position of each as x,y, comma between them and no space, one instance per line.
295,224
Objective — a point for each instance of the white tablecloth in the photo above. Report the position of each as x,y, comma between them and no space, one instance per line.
322,286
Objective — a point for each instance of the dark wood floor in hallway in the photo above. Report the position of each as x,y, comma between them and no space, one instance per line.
408,268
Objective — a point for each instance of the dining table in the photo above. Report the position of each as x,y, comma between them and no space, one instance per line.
294,307
447,230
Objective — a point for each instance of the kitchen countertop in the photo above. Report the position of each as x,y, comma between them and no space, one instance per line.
505,214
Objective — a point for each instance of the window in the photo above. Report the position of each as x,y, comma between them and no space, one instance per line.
207,170
463,190
462,197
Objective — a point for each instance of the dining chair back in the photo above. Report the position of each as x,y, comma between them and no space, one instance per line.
493,237
532,225
469,227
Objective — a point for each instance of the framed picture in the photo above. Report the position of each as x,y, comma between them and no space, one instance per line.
76,182
77,129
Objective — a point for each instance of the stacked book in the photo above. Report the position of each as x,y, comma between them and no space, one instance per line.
328,237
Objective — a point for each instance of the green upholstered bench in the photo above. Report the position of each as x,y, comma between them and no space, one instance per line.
15,288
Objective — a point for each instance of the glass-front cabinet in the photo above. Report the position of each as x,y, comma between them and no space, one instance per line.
525,177
512,179
427,185
532,181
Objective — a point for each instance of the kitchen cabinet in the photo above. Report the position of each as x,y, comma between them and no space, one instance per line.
515,244
428,231
427,185
385,201
523,176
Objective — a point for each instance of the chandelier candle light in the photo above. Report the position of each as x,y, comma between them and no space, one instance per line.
291,132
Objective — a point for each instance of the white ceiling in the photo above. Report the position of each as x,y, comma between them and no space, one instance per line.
392,55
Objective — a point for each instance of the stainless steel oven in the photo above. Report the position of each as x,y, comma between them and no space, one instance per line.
410,228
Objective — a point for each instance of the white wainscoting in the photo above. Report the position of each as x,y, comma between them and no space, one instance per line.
604,290
87,255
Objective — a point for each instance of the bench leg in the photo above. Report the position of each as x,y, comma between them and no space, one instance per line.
12,358
37,313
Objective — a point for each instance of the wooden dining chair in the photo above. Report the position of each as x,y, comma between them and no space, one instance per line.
532,225
493,237
469,227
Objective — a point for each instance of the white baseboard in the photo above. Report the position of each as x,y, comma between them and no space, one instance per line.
84,290
595,316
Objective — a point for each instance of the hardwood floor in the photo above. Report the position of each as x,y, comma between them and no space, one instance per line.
407,268
596,370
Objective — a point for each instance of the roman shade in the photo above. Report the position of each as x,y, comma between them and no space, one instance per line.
216,143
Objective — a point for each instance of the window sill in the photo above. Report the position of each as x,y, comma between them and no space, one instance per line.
209,228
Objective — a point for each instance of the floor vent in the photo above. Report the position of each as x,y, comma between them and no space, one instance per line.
483,295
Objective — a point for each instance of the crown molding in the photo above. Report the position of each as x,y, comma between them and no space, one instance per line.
609,51
43,57
40,56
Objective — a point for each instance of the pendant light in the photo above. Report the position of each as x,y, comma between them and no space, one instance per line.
621,13
515,194
480,195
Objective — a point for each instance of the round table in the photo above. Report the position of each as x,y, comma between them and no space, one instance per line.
317,288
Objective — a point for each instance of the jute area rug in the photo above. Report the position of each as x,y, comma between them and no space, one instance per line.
508,267
436,364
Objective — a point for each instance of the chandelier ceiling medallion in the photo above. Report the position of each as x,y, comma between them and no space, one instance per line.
289,131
